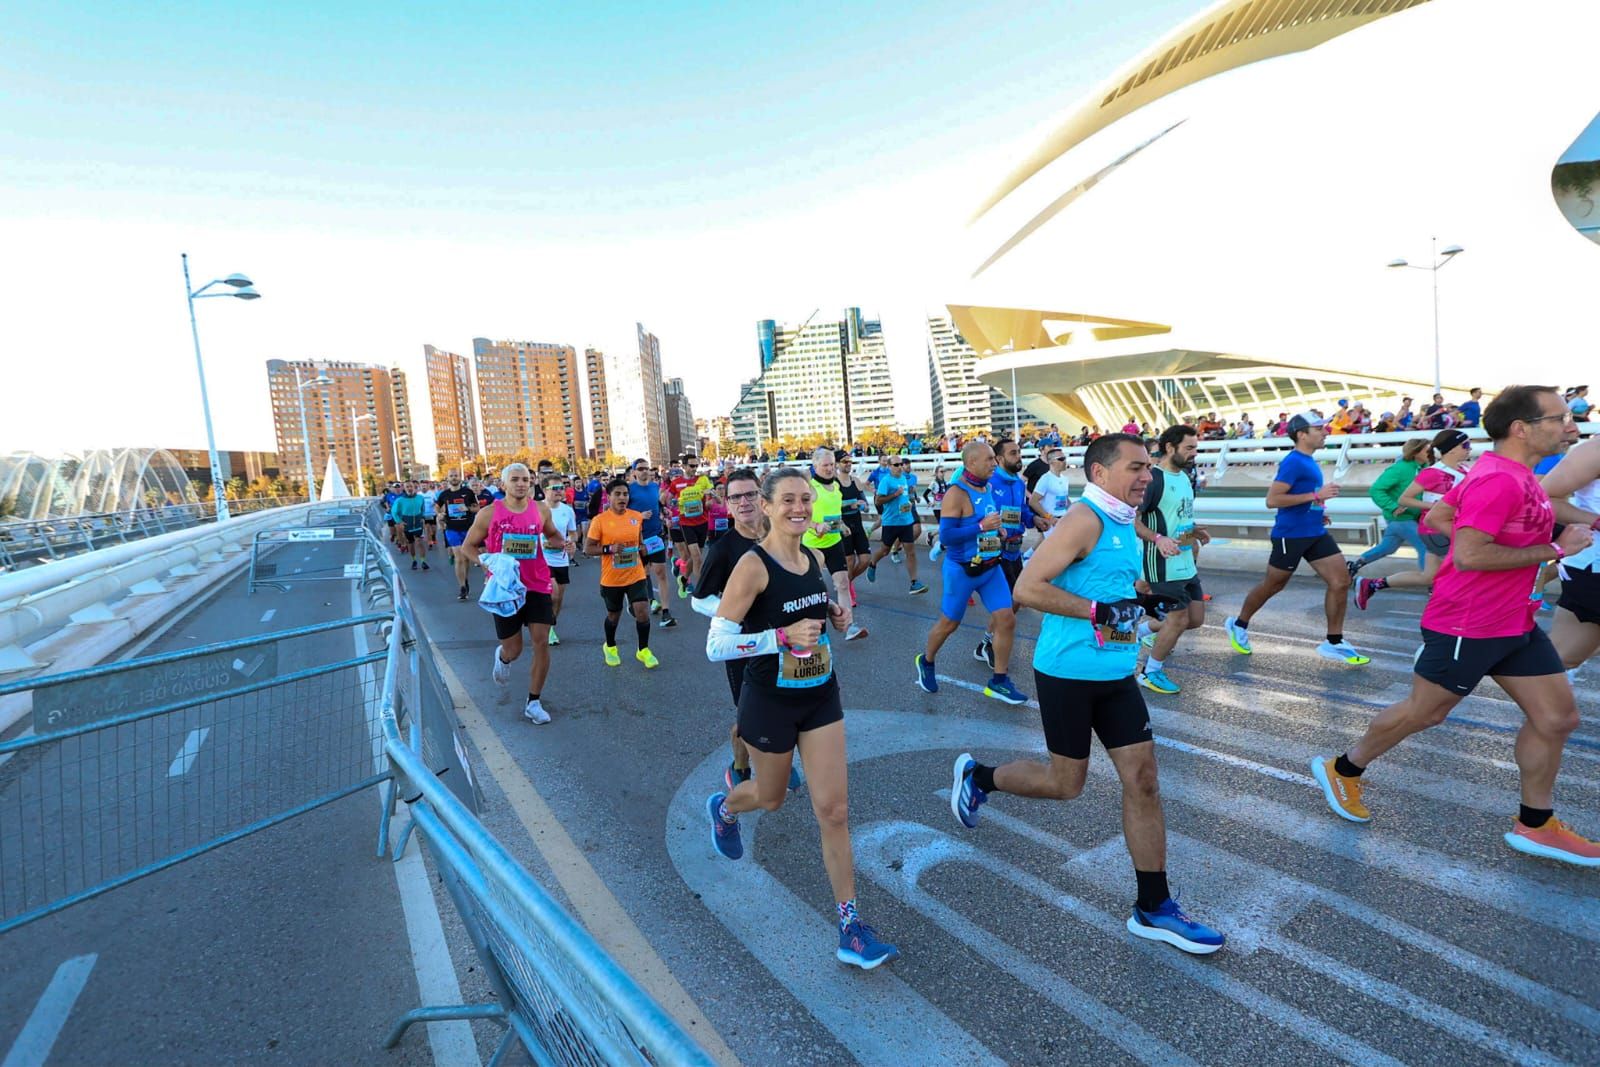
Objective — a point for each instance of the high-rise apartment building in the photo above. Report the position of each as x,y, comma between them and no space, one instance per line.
528,395
820,378
712,432
594,364
333,422
681,435
455,424
638,401
962,403
405,438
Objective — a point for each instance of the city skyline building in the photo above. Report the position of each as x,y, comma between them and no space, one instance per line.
455,424
828,378
681,435
962,403
196,463
528,397
712,431
594,363
354,389
638,400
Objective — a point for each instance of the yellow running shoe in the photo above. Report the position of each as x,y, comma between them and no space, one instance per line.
613,657
1555,840
1342,794
648,658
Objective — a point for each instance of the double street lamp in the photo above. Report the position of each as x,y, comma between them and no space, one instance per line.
355,439
305,438
1439,261
240,288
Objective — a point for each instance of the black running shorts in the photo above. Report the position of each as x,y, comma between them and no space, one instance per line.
1012,569
1287,552
855,541
1580,594
656,557
1071,708
613,595
691,534
536,611
561,575
774,724
676,535
1185,592
1460,663
735,678
906,534
833,557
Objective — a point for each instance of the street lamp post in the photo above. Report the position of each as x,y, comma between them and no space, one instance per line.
305,436
1437,264
355,439
242,289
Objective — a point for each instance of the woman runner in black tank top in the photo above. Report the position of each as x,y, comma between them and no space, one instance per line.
774,615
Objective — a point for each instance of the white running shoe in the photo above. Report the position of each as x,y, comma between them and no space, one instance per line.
1344,652
502,670
535,713
1239,639
855,631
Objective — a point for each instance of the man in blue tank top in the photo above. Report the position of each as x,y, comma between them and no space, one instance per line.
644,496
1010,490
1084,578
972,532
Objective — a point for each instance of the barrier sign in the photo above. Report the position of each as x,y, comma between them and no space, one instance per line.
319,534
70,704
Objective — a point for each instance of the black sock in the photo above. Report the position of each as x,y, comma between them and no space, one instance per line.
983,778
1345,769
1336,639
644,633
533,696
611,632
1533,818
1380,583
1241,624
1153,891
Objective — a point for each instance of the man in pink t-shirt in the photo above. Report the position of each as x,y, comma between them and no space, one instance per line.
1480,622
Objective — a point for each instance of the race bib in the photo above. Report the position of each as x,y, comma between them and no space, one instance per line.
850,507
806,672
1116,637
835,523
625,557
989,544
1011,517
520,545
652,545
1185,538
691,507
456,510
720,525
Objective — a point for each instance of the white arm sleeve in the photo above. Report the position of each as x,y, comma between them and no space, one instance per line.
725,642
706,605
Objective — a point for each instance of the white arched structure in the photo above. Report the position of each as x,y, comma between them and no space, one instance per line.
105,480
1209,229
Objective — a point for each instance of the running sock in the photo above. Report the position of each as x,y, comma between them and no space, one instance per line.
643,630
1533,818
1345,769
983,778
1152,665
1153,891
723,814
611,632
1241,624
1336,639
533,696
1000,679
1379,583
847,913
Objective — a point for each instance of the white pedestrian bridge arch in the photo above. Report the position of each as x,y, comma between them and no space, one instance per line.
100,481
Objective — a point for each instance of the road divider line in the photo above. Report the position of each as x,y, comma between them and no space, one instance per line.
267,615
599,910
38,1036
188,753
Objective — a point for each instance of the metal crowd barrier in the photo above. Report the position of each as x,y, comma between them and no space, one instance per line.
111,787
29,542
338,523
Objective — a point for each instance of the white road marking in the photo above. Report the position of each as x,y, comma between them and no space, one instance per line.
451,1042
267,615
297,570
32,1046
188,753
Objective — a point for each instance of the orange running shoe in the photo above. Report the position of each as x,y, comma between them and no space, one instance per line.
1555,840
1342,794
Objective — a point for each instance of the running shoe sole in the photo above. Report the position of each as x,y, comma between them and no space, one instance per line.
1243,650
918,590
1533,848
1357,660
958,778
998,695
1145,681
1319,771
851,958
1178,941
858,635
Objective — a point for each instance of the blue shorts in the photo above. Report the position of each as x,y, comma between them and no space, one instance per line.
990,586
453,538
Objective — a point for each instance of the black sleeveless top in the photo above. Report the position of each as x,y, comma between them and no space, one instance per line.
787,599
852,500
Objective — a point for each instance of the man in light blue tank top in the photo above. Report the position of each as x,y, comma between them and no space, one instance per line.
1085,578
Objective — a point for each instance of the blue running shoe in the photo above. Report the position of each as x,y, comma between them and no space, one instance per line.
965,797
925,676
872,572
917,588
724,834
1158,682
859,946
1005,689
733,776
795,779
1168,923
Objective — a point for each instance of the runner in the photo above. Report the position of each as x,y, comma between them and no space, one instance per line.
1172,550
874,476
852,504
578,495
1574,488
390,492
560,559
972,530
898,520
430,512
773,616
407,514
459,506
1399,522
617,536
826,534
1016,516
1426,489
644,496
719,519
1084,578
688,495
1480,621
1052,493
1300,532
520,527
